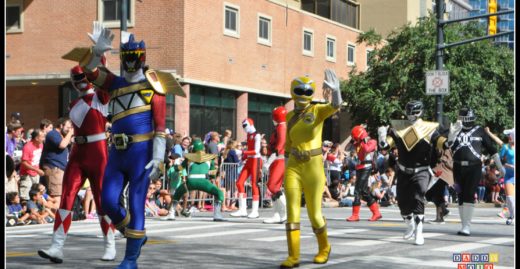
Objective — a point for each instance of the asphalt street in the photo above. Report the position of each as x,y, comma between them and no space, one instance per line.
198,242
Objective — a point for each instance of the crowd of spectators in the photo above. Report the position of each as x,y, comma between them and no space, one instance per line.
36,160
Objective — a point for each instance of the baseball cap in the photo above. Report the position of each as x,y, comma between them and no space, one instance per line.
510,132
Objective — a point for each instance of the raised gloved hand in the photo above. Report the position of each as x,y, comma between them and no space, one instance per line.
454,131
382,133
331,82
159,146
104,42
97,28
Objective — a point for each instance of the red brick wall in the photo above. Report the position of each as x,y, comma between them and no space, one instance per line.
34,103
207,49
52,28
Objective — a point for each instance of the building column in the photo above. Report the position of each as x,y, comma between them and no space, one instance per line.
242,113
182,112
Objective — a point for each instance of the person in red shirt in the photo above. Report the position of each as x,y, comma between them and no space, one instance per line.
30,171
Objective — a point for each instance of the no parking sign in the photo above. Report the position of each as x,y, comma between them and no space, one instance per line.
437,82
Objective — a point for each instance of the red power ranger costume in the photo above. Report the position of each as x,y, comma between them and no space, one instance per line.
365,148
87,159
276,164
251,168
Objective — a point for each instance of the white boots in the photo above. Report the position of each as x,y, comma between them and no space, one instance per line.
280,211
242,206
55,252
466,214
414,227
410,226
419,239
109,238
61,226
254,213
171,212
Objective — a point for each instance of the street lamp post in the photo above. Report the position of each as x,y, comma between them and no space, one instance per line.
439,56
123,10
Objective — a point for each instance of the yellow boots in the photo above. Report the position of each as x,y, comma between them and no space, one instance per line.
323,245
293,244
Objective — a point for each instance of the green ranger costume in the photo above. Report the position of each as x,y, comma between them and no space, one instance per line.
200,166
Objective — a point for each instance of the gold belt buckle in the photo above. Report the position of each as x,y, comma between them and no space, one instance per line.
120,141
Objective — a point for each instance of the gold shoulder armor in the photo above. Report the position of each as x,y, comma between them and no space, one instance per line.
164,83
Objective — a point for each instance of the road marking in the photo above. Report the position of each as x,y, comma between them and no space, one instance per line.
371,242
276,238
20,254
245,231
158,242
479,244
177,229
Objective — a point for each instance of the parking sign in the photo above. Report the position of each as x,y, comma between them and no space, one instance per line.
437,82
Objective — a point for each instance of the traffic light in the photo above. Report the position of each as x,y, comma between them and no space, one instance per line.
492,23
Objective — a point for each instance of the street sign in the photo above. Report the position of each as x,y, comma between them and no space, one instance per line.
437,82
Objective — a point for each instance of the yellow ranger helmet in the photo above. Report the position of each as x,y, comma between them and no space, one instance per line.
302,91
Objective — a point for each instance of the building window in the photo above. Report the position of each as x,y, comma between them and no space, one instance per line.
264,30
231,20
351,54
170,111
14,16
109,12
343,11
260,109
331,48
211,109
369,56
308,42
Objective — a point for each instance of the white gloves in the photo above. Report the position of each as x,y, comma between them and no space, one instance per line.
332,82
97,28
454,131
382,133
104,42
159,146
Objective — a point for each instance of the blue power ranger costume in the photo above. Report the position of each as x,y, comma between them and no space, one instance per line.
137,109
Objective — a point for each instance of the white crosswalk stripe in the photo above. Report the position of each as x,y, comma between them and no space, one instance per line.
474,245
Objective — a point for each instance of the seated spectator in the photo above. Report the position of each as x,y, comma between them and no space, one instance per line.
38,213
16,209
46,200
376,190
162,197
387,181
151,209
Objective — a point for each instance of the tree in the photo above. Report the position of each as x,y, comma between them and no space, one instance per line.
481,76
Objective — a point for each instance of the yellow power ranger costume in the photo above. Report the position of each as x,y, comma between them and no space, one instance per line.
304,169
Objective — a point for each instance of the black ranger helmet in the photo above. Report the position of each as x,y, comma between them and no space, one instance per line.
467,117
414,110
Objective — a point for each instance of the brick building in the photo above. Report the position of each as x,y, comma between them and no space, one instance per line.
235,58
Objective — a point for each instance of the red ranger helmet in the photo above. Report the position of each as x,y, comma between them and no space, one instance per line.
358,133
79,79
279,114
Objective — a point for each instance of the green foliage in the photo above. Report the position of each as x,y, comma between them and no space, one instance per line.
481,76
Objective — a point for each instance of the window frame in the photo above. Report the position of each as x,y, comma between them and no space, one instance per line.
368,51
226,31
261,40
334,51
19,4
116,23
311,51
353,62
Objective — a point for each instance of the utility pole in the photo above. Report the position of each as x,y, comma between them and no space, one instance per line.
439,57
123,9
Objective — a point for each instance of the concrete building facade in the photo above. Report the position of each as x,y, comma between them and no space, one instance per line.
236,58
